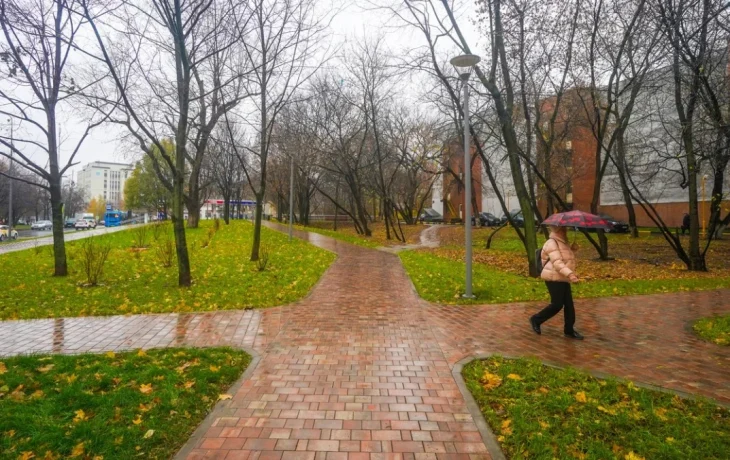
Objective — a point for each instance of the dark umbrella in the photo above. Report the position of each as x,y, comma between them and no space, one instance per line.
577,219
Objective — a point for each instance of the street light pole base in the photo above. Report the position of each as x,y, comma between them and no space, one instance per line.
464,296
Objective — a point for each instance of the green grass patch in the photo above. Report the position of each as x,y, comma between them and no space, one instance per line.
126,405
136,281
542,412
438,279
715,329
342,236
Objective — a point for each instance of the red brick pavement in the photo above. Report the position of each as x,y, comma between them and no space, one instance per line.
361,369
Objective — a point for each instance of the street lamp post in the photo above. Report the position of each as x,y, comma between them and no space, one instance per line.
291,200
10,184
463,65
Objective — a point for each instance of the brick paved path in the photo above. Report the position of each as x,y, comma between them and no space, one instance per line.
361,369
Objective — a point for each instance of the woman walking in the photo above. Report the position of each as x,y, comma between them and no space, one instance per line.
558,260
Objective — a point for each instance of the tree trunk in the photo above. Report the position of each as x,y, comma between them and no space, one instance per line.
621,168
258,213
181,247
193,206
60,267
226,209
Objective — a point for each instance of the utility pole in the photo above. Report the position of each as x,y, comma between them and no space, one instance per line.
10,184
291,200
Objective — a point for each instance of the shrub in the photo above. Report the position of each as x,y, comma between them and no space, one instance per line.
263,259
93,257
140,236
216,224
165,250
157,229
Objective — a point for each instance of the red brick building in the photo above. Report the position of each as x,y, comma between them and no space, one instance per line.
453,189
572,171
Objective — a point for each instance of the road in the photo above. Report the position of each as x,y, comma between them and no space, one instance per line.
46,238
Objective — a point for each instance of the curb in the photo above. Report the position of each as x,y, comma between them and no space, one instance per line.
221,409
488,437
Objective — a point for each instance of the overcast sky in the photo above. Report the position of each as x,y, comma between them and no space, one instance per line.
353,23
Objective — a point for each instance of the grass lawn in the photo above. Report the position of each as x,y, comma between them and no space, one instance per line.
136,281
715,329
440,279
500,274
126,405
347,233
541,412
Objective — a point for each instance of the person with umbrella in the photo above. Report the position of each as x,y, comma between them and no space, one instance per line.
558,264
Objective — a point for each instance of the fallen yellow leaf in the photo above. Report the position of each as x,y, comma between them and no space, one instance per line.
27,455
224,397
145,388
581,397
148,434
3,368
189,383
214,368
78,450
141,352
490,381
71,378
45,369
110,354
138,420
632,456
514,377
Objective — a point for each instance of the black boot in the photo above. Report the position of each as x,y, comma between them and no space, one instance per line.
574,335
535,325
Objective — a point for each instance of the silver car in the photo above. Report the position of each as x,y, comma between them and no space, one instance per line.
42,225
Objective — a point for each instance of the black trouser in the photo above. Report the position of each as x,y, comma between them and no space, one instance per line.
560,296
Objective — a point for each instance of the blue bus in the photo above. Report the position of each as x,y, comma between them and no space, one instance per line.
113,218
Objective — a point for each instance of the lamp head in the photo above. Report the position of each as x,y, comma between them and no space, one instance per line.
464,63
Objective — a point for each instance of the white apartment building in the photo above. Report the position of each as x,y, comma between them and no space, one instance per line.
105,179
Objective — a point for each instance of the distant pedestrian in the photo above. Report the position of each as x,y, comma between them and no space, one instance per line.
558,260
685,223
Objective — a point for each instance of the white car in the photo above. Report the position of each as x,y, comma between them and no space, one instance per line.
82,224
42,225
4,233
90,221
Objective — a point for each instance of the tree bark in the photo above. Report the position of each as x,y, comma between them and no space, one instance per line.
621,168
60,267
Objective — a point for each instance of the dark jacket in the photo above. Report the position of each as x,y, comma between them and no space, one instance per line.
685,221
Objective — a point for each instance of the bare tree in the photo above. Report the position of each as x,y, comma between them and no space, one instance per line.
38,40
282,40
188,43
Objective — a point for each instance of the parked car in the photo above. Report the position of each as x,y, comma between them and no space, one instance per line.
618,225
82,224
488,219
517,218
69,223
5,233
91,221
430,216
42,225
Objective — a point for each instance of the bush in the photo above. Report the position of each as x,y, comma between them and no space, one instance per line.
157,229
263,259
165,250
140,236
93,257
216,224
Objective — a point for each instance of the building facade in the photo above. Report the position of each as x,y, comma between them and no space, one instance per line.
451,184
104,179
